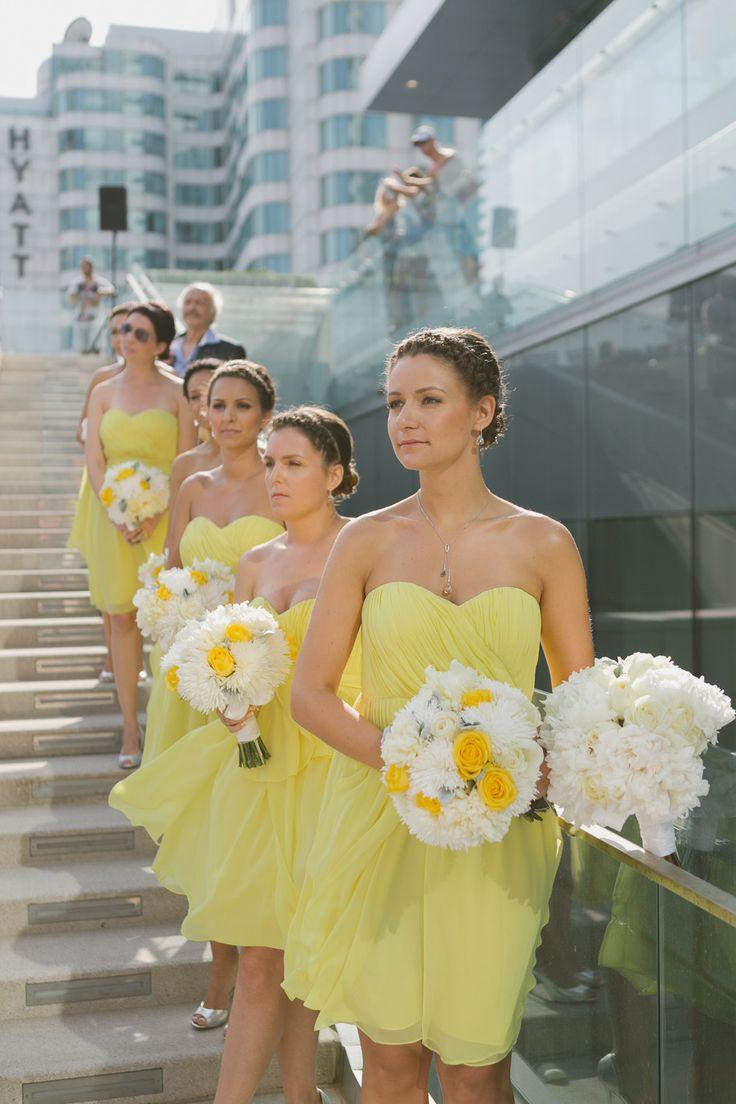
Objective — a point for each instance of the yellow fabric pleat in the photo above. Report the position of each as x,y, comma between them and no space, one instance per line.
236,841
407,941
150,436
168,718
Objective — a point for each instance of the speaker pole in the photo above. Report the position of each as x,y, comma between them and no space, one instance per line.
114,266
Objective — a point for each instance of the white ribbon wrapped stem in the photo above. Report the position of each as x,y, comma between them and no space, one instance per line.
657,838
250,730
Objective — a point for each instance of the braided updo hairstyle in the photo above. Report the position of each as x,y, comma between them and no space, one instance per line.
329,435
254,374
473,360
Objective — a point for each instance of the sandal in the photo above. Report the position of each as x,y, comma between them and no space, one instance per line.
106,675
129,762
213,1017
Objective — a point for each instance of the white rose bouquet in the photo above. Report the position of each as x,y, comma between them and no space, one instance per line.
181,594
133,491
626,737
235,658
149,571
462,758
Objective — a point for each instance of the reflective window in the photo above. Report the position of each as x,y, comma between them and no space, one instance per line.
199,233
640,411
269,218
337,244
341,131
272,61
87,218
197,84
268,13
339,75
349,187
200,195
199,263
272,262
351,17
269,115
109,100
122,62
86,179
188,119
71,256
267,167
107,140
199,157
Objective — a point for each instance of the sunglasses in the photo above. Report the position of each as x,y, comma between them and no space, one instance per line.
140,335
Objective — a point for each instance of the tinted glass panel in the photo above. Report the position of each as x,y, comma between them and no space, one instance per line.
639,367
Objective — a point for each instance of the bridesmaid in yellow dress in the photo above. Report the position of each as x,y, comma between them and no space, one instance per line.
236,840
78,534
139,414
425,949
218,514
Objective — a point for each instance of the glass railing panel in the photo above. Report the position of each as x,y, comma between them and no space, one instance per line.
697,952
590,1026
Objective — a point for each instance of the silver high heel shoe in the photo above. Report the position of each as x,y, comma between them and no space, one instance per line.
213,1017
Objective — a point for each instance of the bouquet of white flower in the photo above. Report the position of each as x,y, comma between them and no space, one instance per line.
133,491
462,758
626,737
149,571
235,658
182,594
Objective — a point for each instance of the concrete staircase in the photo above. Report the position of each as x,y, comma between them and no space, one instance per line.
98,985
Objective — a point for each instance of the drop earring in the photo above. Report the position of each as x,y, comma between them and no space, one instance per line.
480,441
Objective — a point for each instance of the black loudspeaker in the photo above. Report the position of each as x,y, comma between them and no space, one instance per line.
113,207
503,228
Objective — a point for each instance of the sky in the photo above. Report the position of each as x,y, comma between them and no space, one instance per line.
30,27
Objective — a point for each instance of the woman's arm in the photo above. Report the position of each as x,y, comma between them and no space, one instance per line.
567,639
93,453
178,520
332,631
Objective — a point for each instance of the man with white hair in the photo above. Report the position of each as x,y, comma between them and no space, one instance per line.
199,305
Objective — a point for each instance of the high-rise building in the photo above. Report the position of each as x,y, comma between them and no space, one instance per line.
245,147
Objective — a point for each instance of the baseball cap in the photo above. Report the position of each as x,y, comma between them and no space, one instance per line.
423,133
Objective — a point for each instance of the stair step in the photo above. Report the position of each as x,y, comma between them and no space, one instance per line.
64,833
52,603
48,737
77,972
34,538
51,500
53,559
23,632
84,895
153,1057
43,579
38,519
62,697
68,778
33,664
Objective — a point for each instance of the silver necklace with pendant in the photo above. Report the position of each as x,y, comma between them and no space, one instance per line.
446,571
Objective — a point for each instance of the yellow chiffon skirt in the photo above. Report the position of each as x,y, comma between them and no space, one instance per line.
399,943
233,842
168,717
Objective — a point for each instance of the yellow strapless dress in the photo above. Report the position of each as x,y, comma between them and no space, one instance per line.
168,718
78,534
407,941
234,840
150,436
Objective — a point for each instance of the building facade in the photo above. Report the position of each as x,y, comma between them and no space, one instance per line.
243,148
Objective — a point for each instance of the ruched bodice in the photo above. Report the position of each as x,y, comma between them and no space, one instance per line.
204,539
150,435
496,632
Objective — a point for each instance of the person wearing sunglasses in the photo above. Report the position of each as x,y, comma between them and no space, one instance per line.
138,414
